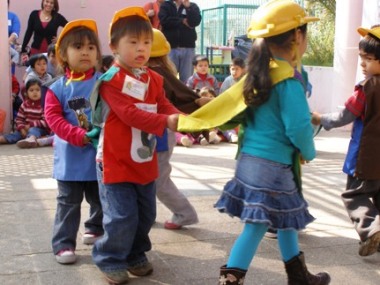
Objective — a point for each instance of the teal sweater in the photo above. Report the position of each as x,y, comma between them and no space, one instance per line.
280,126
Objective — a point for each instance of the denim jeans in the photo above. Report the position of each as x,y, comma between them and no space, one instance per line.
68,214
16,136
129,211
183,60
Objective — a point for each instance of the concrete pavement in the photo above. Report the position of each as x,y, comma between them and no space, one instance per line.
194,254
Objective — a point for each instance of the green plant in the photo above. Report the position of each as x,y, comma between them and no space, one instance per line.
321,34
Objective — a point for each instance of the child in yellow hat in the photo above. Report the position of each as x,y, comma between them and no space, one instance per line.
133,111
363,156
264,193
68,113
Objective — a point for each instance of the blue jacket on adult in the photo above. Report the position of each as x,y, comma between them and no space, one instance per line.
178,31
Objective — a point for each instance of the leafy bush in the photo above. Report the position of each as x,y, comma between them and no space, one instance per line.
320,50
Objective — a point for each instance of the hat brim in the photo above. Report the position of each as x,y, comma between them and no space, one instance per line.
87,23
374,32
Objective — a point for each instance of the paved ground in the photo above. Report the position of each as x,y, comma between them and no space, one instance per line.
189,256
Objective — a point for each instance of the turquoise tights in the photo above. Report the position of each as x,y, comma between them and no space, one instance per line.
246,244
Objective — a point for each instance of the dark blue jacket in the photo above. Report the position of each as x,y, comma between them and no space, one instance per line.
171,20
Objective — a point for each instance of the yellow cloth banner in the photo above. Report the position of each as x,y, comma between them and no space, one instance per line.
230,103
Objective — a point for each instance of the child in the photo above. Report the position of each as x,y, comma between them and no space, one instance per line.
30,120
237,70
38,64
52,62
362,163
184,99
107,61
68,113
263,193
201,78
133,111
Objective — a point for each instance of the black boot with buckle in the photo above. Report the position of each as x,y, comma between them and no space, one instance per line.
299,275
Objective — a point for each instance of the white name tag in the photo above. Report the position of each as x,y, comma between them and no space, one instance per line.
134,88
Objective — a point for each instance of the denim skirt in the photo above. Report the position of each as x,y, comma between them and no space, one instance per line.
264,191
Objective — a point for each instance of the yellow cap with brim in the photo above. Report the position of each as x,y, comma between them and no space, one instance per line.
128,12
276,17
160,46
374,32
87,23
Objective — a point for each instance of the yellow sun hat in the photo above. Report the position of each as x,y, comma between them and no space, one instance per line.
87,23
160,46
128,12
277,17
373,32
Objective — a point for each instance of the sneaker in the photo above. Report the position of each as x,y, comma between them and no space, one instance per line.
46,141
370,246
90,238
66,256
214,138
27,143
172,226
203,141
143,269
116,277
234,138
272,234
186,141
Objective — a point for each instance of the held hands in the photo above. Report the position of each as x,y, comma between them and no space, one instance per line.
315,118
93,136
172,122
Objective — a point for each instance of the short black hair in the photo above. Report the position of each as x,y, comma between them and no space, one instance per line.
238,61
199,58
371,45
36,57
32,81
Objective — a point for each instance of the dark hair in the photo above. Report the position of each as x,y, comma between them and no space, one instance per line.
56,6
107,61
258,84
133,25
31,82
238,61
51,49
371,45
206,90
37,57
77,36
199,58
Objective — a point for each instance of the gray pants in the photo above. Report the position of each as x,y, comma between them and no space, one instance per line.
362,202
168,193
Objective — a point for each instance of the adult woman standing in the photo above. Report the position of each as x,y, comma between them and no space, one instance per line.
43,25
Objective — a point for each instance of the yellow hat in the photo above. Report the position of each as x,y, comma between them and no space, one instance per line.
160,46
374,32
88,23
128,12
277,17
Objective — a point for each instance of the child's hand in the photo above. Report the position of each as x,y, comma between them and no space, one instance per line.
315,118
23,132
94,136
202,101
172,122
86,140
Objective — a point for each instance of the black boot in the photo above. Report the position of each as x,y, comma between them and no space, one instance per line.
299,275
231,276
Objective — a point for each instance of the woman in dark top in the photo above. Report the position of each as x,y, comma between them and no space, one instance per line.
43,24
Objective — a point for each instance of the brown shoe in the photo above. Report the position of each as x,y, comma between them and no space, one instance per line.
116,277
143,269
370,246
